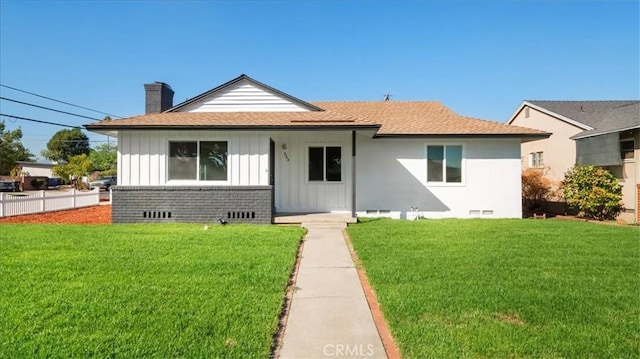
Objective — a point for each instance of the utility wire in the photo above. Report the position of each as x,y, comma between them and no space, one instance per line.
39,121
48,108
63,102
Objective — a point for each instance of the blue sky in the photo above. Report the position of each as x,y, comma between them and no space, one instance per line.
480,58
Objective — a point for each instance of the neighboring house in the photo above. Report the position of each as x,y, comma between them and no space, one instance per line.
245,151
599,133
36,169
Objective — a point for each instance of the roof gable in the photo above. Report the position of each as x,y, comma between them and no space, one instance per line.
244,94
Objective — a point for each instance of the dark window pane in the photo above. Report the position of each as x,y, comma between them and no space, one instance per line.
435,157
183,157
334,164
316,163
454,164
213,161
626,149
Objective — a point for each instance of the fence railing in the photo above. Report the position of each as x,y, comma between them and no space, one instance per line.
13,204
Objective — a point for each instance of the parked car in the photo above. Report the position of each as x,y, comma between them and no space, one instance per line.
9,186
54,182
104,182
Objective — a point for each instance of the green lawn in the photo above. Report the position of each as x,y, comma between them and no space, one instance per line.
142,290
505,288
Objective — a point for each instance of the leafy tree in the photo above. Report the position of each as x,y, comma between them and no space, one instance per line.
104,158
65,144
593,191
76,166
11,149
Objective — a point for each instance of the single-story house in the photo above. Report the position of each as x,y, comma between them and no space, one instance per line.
598,133
245,151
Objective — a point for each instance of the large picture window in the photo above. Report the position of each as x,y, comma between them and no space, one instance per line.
198,160
444,164
325,164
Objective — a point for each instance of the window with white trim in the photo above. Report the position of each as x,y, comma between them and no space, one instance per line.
444,163
198,160
325,164
536,159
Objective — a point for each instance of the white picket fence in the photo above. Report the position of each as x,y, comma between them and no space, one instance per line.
13,204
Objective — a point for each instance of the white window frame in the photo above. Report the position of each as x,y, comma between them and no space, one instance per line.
324,167
536,159
197,179
444,182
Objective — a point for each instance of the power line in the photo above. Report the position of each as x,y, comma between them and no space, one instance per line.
39,121
63,102
48,108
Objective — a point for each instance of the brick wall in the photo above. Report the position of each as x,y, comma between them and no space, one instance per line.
247,204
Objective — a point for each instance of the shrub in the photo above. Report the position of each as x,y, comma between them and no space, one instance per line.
536,189
37,183
593,191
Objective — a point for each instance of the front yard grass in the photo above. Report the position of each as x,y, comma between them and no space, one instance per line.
505,288
142,290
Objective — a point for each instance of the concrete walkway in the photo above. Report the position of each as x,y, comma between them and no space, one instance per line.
329,315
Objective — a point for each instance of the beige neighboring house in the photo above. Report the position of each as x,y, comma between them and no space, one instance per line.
599,133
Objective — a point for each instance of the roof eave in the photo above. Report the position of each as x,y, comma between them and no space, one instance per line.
230,127
585,135
529,136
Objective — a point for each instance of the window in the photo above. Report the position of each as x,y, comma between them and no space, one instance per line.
198,160
444,164
325,164
536,159
626,149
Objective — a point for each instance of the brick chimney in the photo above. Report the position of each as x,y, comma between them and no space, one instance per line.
158,97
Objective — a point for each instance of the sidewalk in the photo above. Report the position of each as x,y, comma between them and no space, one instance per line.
329,315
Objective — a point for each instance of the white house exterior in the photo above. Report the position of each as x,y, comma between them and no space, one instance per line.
245,151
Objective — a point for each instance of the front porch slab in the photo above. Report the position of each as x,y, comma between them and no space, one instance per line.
299,218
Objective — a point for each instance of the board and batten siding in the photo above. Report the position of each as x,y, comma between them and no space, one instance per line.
243,97
143,157
293,191
392,178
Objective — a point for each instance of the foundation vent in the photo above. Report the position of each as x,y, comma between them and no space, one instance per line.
241,215
156,214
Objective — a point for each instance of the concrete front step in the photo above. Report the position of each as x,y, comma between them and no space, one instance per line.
299,218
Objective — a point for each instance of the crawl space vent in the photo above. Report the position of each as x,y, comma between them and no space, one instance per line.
241,215
156,214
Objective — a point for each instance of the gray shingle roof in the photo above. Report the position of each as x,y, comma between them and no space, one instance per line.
603,116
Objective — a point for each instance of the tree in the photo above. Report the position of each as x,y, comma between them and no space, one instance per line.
593,191
104,158
65,144
76,167
11,149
